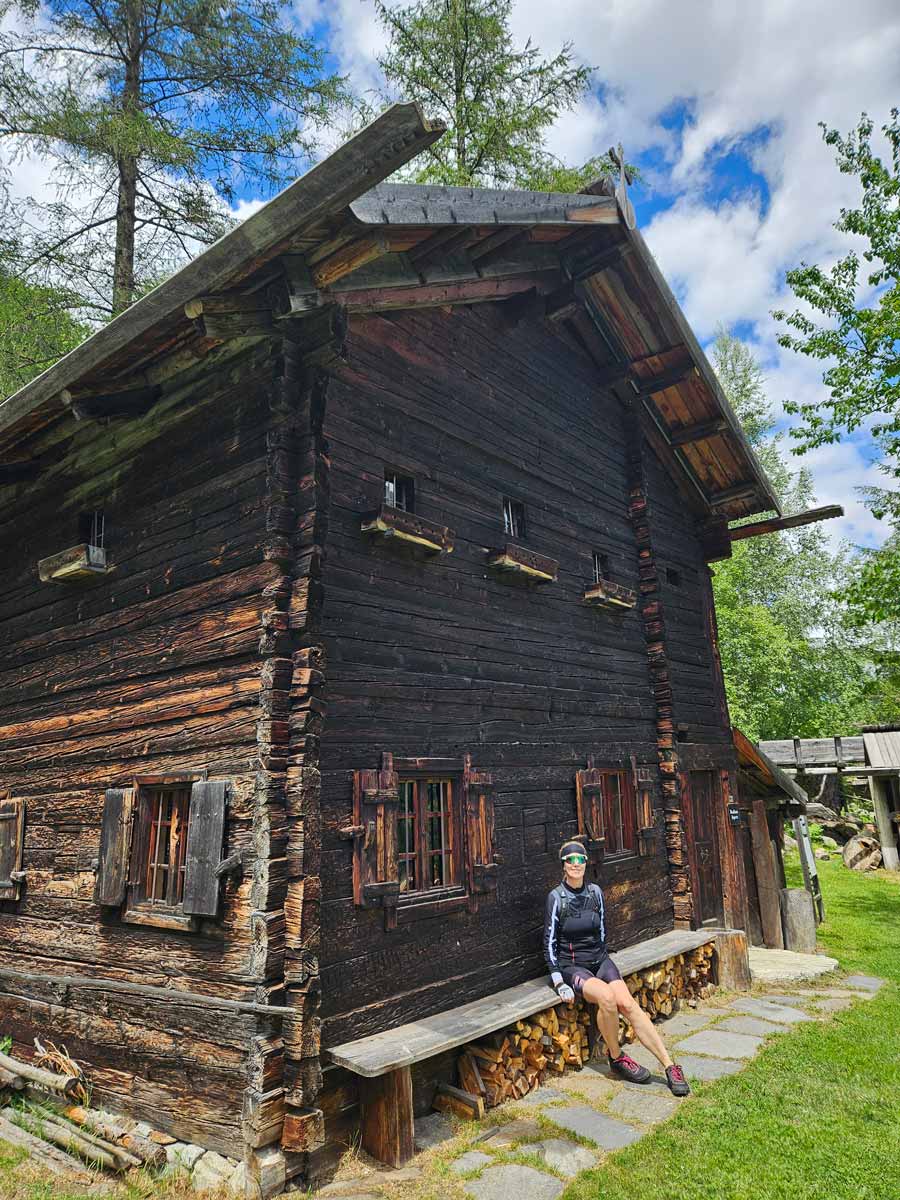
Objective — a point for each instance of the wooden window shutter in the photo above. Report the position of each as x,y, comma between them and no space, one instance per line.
376,876
479,820
206,832
12,841
589,805
115,846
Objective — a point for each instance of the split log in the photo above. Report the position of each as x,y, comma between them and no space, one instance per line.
63,1136
47,1156
125,1159
455,1100
11,1082
149,1153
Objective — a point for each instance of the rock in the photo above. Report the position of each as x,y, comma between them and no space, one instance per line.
708,1068
606,1132
540,1095
242,1185
721,1045
161,1139
500,1183
211,1172
514,1131
817,813
470,1161
798,918
858,848
789,842
870,863
829,843
566,1157
821,854
643,1105
864,983
183,1154
780,1014
431,1131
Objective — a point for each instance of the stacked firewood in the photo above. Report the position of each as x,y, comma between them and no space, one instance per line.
684,978
509,1064
37,1113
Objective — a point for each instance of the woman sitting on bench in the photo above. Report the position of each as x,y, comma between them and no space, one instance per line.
579,964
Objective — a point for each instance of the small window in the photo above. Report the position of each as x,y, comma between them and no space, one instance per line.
673,576
601,567
619,814
158,857
427,837
513,518
399,491
92,528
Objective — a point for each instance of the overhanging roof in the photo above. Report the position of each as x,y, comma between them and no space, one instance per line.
347,237
756,763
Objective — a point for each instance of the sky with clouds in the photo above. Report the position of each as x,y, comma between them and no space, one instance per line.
718,102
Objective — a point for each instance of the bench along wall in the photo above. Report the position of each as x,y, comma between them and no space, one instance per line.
160,668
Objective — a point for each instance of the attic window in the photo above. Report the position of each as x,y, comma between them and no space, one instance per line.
673,577
601,567
513,518
399,491
92,528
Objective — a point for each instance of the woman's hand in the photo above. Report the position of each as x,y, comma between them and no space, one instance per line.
565,993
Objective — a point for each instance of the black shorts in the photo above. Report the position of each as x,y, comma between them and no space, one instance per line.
576,977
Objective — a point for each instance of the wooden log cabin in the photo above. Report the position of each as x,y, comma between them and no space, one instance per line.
346,574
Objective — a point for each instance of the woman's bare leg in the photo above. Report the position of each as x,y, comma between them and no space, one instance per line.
601,994
645,1031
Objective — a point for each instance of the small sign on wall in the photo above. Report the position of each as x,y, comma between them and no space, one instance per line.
734,814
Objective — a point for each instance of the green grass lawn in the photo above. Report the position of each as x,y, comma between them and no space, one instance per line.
814,1115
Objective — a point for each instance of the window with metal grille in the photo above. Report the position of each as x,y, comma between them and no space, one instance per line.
619,813
427,835
158,856
601,567
399,491
92,528
513,518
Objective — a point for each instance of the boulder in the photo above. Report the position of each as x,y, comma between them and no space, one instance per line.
829,843
861,847
870,863
818,813
822,854
789,842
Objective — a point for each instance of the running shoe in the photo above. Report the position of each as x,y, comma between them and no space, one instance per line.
678,1085
629,1069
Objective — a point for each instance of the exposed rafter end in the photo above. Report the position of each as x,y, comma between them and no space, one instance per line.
665,379
732,495
98,406
697,433
227,316
776,524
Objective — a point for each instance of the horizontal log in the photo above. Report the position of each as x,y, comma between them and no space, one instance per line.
57,1162
776,524
64,1085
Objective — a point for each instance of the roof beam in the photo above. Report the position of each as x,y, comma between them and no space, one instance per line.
436,295
226,316
776,524
665,379
411,204
588,260
495,243
697,433
98,406
741,491
349,258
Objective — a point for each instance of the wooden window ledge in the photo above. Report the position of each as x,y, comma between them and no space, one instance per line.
181,922
613,596
516,560
80,562
393,524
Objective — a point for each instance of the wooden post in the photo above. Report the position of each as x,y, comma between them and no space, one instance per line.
387,1117
767,885
733,961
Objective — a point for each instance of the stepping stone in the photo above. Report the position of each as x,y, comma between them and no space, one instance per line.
566,1157
499,1183
839,991
707,1069
770,1012
540,1095
721,1045
431,1131
834,1004
751,1025
648,1106
865,983
606,1132
596,1087
346,1189
503,1136
470,1161
682,1024
790,1001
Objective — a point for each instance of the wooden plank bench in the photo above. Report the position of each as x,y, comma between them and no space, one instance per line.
383,1060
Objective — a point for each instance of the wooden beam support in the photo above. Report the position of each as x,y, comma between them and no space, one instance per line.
19,470
295,294
224,316
776,524
99,405
495,243
741,491
697,433
665,379
435,295
349,258
589,259
454,237
387,1117
563,303
412,204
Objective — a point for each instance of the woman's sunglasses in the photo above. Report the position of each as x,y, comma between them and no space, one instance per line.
577,860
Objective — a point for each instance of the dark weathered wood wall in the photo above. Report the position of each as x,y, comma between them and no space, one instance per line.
441,657
155,668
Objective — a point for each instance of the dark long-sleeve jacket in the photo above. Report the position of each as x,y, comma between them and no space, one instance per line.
580,937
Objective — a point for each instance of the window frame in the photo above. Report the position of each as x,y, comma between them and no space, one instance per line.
138,908
614,847
515,525
600,567
456,850
408,483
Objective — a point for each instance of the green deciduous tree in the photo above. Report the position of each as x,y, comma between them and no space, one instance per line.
458,58
151,113
850,320
791,666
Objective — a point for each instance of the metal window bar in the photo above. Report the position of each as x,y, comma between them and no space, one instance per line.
167,842
601,567
98,528
399,491
513,518
424,835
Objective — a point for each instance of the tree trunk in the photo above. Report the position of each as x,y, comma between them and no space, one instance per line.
123,267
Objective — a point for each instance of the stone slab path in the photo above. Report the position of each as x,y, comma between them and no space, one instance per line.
570,1123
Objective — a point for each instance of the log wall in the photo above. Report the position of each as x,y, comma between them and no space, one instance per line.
165,665
439,656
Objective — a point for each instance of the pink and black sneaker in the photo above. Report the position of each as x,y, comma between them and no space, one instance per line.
678,1085
629,1069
